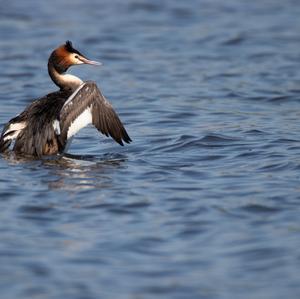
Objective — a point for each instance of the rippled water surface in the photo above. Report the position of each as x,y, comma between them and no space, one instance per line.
205,203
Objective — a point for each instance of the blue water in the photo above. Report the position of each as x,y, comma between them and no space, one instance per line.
205,202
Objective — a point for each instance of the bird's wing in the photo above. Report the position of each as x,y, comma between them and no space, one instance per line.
10,132
85,106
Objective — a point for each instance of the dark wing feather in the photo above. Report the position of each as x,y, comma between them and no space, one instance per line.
104,118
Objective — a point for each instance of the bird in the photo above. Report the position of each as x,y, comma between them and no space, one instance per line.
48,124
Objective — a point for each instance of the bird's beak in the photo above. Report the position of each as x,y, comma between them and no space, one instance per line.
91,62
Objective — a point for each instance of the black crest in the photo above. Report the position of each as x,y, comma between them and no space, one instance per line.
69,48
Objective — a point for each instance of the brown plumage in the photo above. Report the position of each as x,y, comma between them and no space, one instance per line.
46,125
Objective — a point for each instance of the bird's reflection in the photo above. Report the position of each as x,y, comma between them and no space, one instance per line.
73,172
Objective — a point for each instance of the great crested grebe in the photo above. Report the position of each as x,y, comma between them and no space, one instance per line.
47,125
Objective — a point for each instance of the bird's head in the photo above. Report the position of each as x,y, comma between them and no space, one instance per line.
65,56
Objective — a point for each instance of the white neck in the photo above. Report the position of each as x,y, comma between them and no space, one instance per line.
70,81
63,80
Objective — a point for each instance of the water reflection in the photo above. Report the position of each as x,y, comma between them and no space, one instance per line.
72,172
83,172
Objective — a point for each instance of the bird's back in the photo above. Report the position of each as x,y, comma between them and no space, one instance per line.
37,136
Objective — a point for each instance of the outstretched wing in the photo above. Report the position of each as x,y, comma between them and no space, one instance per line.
87,105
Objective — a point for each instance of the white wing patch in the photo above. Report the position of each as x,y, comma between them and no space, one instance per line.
56,127
14,130
80,122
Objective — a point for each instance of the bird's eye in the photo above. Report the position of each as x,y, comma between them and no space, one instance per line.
76,56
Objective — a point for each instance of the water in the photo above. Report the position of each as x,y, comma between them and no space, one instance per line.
205,202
